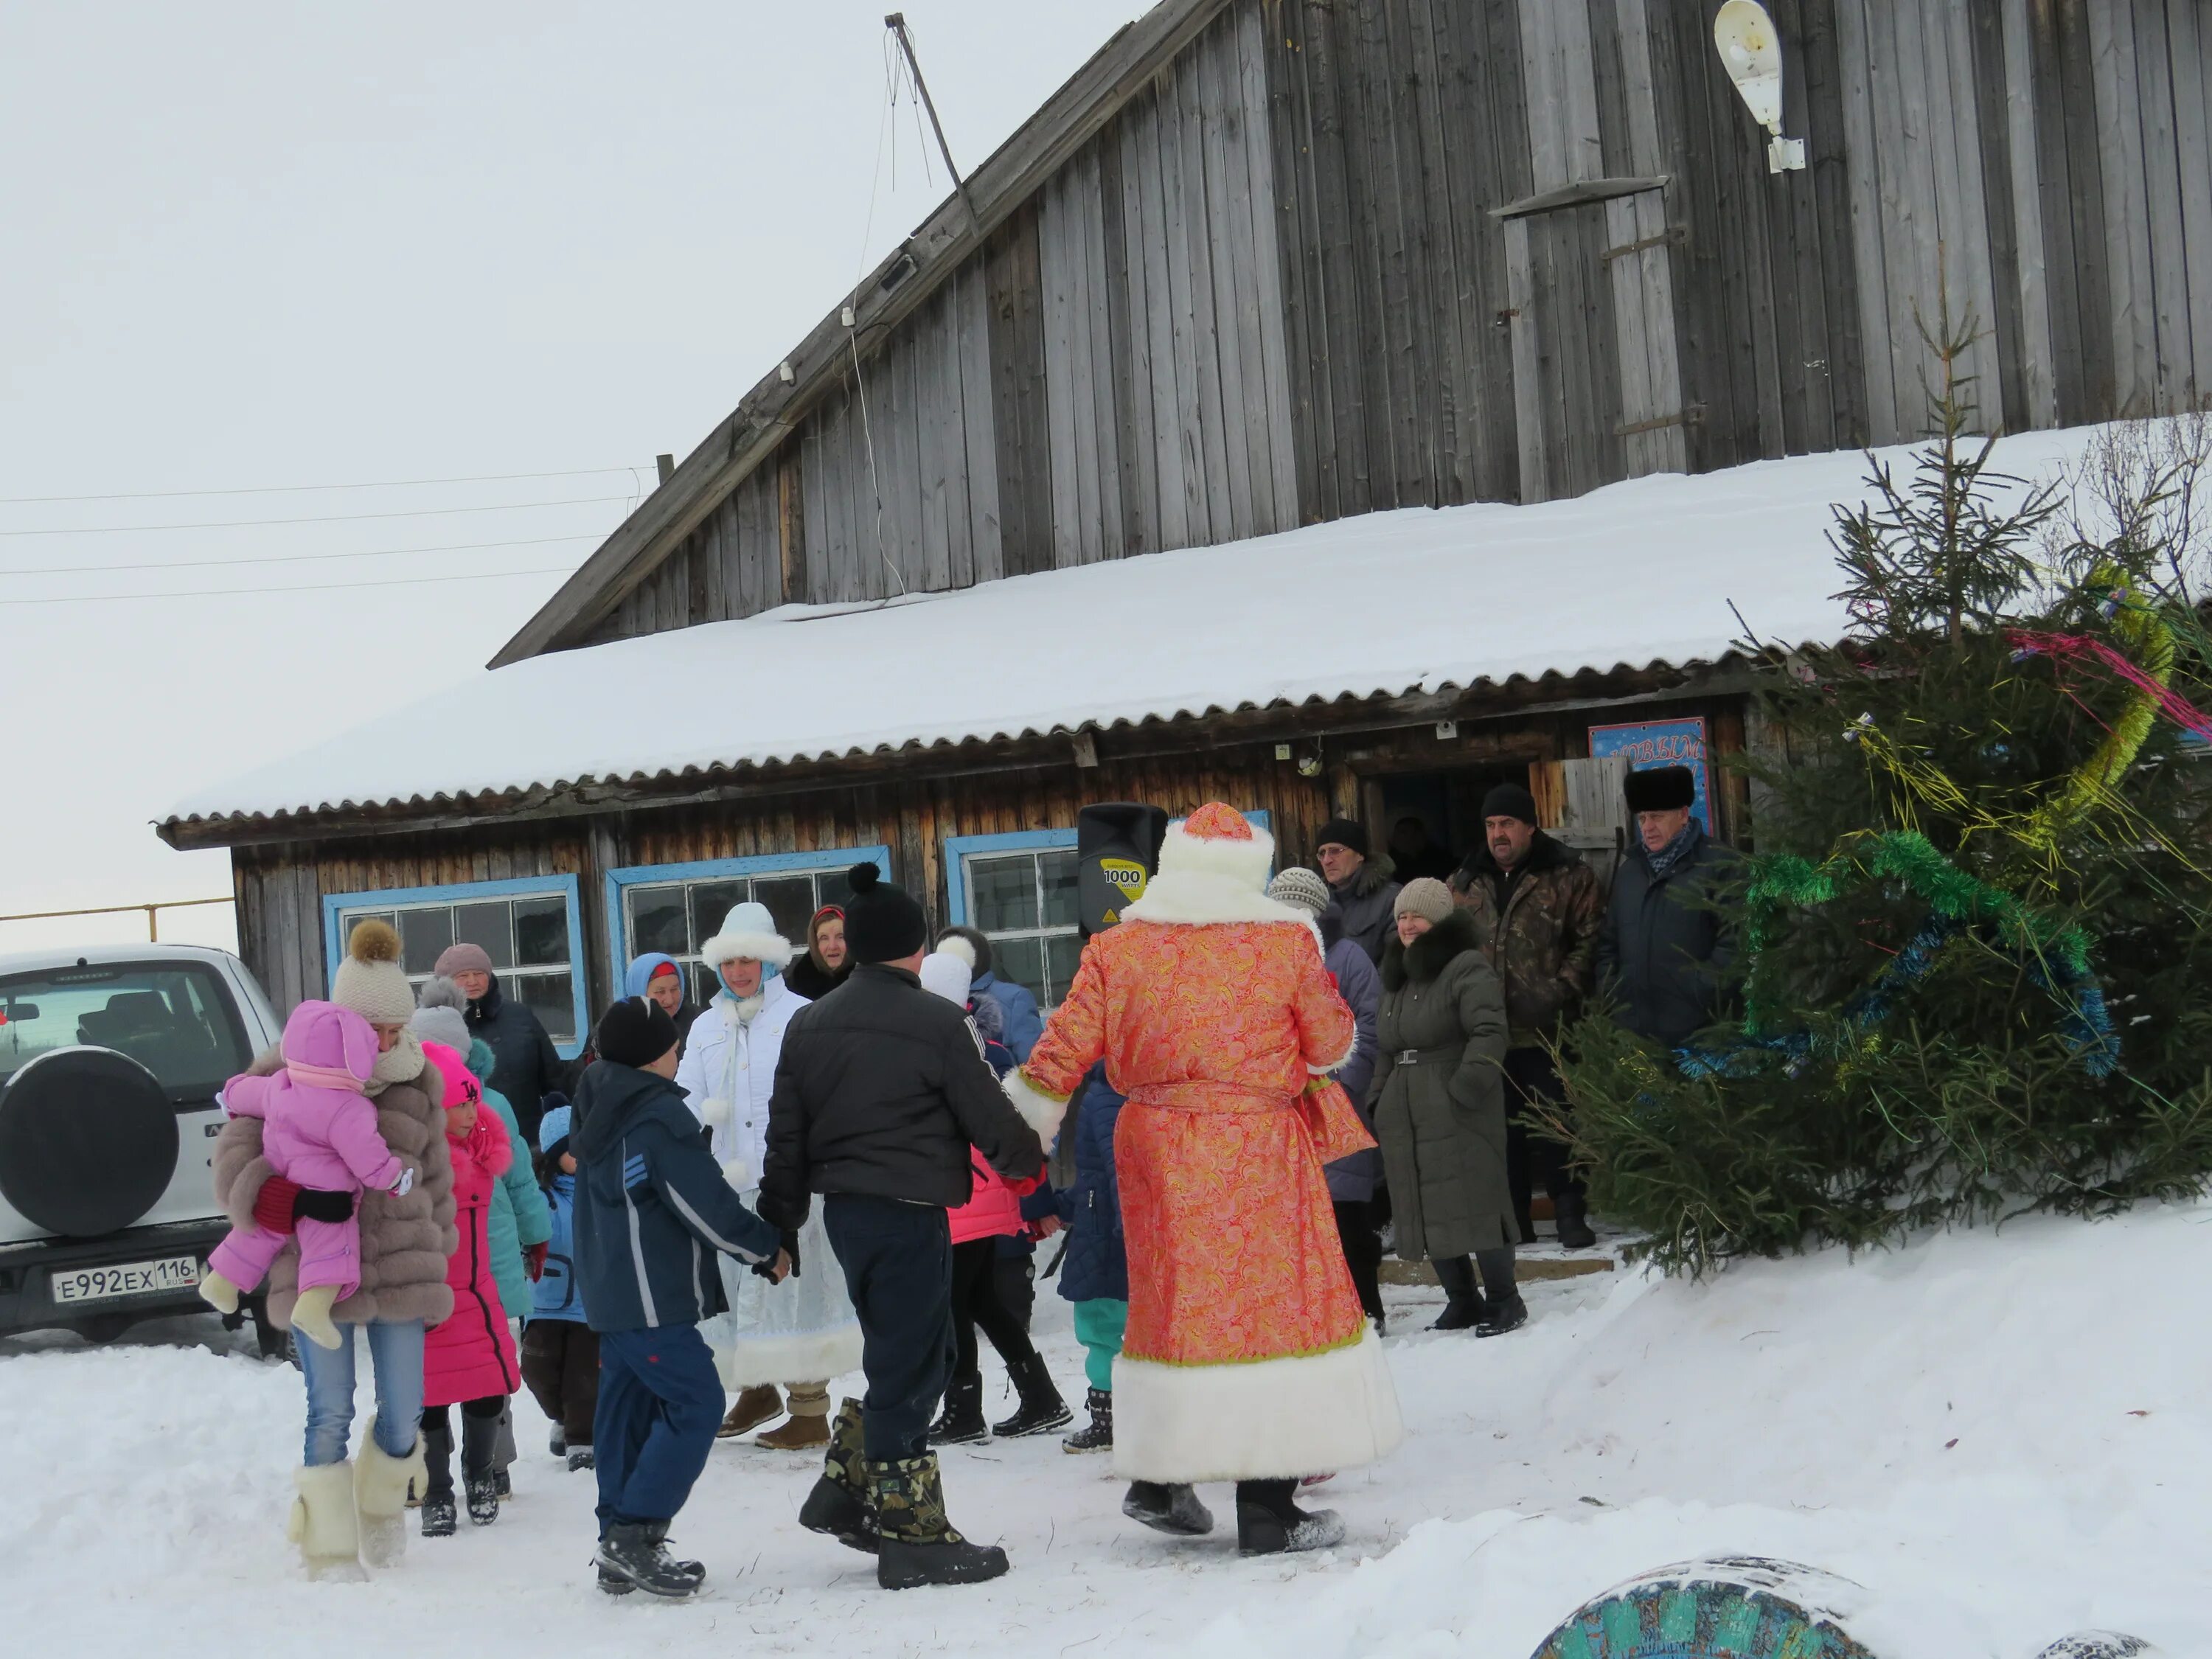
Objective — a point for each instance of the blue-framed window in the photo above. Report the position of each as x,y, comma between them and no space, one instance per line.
1018,891
676,907
532,928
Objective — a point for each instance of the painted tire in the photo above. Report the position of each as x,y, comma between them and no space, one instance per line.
1743,1607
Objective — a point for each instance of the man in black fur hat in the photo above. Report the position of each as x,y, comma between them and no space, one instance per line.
1663,953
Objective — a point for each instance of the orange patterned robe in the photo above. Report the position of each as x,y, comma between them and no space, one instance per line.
1247,1355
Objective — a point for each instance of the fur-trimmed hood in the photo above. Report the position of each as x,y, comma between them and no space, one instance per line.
1429,954
1373,875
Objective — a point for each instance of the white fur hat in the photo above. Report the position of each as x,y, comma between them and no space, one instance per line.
945,975
1219,840
747,931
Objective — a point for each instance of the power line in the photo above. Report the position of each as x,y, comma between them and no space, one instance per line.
318,588
334,518
293,558
295,489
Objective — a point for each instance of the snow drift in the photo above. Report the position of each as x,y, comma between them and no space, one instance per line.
1998,1436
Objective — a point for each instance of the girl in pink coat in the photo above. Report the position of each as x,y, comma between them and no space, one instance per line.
468,1361
318,1129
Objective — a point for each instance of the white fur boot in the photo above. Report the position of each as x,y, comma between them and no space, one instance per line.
380,1484
322,1521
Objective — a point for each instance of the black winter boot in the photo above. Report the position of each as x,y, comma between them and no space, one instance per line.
1506,1314
838,1505
631,1557
1463,1305
1173,1510
1573,1222
961,1422
439,1517
1041,1410
559,1443
1097,1435
580,1457
917,1543
1269,1523
479,1441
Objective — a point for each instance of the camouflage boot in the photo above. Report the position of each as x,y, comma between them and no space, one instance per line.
917,1544
838,1505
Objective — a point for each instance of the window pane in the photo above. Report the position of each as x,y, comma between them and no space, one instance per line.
423,934
353,919
830,887
176,1021
541,931
790,900
550,997
1056,875
489,925
1002,893
656,921
710,902
1062,953
704,984
1021,960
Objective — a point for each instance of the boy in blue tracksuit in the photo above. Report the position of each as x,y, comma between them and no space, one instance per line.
653,1209
560,1350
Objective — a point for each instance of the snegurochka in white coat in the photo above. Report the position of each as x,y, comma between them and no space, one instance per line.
802,1333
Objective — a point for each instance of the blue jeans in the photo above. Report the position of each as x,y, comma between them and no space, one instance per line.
395,1355
660,1402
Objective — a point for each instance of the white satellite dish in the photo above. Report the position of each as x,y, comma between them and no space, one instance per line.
1751,51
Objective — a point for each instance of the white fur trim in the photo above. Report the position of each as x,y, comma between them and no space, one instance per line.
739,1175
1269,1420
1197,898
1247,863
715,1114
761,947
953,944
1039,1110
812,1357
322,1522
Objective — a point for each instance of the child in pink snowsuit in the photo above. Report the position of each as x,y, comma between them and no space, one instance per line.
320,1130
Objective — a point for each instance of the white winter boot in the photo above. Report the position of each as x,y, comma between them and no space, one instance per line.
380,1484
322,1521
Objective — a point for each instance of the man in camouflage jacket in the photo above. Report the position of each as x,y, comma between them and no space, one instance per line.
1537,911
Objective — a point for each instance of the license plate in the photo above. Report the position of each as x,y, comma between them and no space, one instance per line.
127,1279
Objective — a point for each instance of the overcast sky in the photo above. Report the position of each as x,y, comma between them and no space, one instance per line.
256,246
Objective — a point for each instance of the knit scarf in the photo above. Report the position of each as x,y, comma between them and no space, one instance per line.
401,1063
1664,861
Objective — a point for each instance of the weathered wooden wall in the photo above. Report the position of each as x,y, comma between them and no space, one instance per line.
1343,256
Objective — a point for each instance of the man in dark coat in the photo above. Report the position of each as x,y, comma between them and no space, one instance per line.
880,1090
1536,909
1663,953
523,1065
1363,887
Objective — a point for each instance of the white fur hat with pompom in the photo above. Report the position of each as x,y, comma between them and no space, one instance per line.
747,931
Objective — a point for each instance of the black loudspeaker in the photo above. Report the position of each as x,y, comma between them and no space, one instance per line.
1117,846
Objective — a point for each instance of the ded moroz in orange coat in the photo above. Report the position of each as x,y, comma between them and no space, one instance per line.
1247,1356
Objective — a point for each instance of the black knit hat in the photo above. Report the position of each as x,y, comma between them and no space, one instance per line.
1510,800
1345,832
1660,789
635,1032
882,922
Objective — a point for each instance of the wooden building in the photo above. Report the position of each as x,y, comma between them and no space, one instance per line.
1268,264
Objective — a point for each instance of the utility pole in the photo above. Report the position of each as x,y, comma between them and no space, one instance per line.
896,22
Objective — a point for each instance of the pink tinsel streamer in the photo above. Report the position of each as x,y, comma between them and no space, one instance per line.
2074,648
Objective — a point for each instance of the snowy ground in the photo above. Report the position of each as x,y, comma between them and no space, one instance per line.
2000,1437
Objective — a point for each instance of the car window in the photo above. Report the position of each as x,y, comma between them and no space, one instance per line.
174,1018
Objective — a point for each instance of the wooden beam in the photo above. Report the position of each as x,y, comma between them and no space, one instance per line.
1578,195
885,298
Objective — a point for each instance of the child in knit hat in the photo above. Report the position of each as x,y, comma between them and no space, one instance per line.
318,1129
560,1350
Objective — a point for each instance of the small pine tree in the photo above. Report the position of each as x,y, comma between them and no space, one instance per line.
1963,830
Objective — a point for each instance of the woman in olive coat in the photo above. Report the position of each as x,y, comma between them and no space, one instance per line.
1440,1104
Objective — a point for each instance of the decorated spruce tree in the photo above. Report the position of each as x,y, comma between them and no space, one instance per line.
1973,969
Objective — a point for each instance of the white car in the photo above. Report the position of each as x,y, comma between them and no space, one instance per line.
111,1059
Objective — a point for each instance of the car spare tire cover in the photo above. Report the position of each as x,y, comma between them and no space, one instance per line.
88,1141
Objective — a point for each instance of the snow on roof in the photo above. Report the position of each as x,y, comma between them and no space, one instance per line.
1636,574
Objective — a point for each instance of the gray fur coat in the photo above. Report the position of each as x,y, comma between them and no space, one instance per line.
404,1241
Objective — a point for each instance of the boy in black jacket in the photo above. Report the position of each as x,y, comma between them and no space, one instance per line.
652,1209
880,1090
